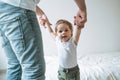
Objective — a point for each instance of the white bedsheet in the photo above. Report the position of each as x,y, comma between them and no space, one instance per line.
102,66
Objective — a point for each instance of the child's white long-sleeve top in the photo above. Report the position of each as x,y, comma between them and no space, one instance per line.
27,4
67,53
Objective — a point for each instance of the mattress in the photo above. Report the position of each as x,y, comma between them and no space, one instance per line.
93,66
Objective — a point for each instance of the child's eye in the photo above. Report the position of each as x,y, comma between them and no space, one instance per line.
66,30
60,31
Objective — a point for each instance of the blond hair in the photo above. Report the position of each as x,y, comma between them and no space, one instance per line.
63,21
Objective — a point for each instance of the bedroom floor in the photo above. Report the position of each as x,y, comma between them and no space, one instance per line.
2,75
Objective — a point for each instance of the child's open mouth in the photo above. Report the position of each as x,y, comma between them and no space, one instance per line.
64,36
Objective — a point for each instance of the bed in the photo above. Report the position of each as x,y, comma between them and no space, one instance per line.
93,66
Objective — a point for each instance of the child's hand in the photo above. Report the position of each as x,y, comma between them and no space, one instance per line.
81,18
44,21
80,25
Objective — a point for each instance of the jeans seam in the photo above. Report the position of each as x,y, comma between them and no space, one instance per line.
21,31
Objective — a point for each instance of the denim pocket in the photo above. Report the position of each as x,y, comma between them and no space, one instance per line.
14,33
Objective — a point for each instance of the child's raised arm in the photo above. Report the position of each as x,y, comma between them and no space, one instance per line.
76,36
53,34
45,22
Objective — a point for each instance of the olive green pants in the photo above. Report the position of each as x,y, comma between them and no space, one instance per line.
69,74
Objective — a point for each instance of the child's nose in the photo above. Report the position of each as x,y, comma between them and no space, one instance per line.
64,32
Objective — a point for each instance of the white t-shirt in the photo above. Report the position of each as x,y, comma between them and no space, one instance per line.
67,53
27,4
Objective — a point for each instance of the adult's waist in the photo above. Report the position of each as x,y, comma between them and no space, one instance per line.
26,4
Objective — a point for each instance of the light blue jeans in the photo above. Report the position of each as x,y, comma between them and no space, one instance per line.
22,42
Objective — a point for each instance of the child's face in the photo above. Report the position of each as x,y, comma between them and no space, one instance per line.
64,32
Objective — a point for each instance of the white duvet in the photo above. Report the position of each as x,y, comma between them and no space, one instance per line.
102,66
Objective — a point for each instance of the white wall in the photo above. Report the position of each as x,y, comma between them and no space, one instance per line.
101,33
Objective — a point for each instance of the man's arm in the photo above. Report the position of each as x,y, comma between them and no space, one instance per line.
42,17
81,4
81,16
